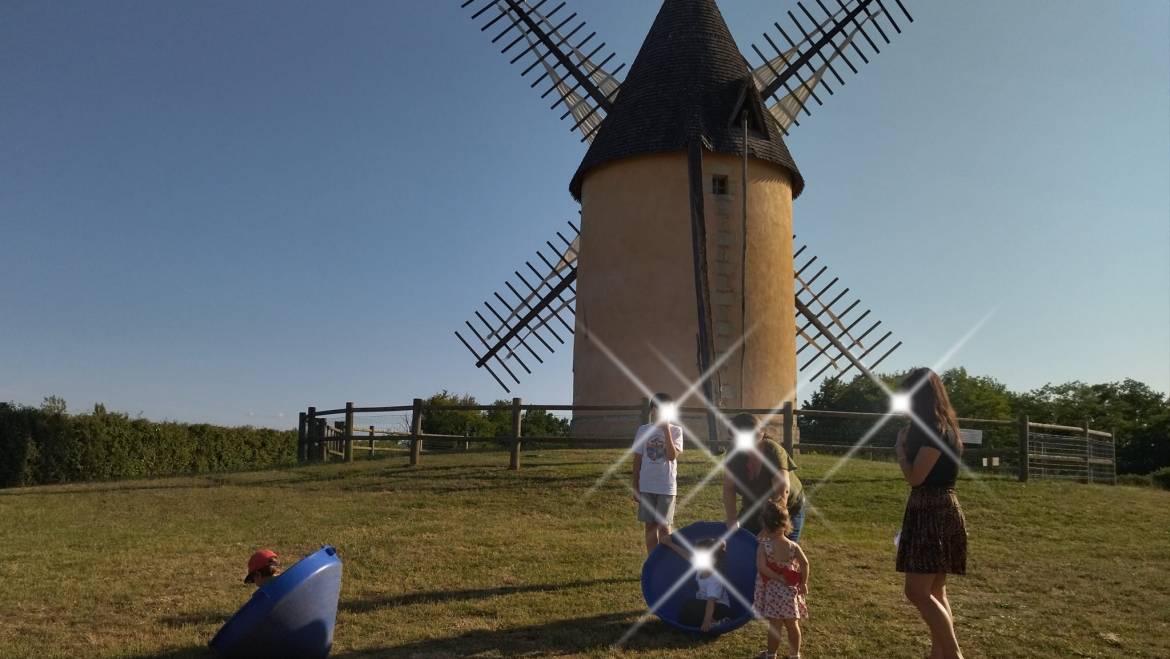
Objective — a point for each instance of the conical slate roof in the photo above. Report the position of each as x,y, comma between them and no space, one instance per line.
687,81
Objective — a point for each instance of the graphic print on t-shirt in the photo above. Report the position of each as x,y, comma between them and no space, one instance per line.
658,473
655,447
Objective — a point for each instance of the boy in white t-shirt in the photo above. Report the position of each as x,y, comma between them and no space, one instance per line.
656,470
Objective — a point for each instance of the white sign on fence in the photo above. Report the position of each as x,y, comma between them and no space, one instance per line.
972,437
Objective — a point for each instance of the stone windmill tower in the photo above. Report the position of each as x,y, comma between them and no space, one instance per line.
684,263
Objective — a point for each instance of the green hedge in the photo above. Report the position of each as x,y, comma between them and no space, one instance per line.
1161,478
43,446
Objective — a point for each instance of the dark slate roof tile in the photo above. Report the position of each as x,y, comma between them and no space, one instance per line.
684,83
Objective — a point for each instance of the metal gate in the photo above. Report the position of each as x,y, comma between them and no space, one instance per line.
1082,458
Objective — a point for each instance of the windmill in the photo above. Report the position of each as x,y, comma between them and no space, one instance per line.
683,260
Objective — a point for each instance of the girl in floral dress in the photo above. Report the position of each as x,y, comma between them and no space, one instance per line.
781,581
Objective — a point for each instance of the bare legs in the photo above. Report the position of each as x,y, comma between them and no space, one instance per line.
656,533
774,632
938,589
793,627
776,628
928,593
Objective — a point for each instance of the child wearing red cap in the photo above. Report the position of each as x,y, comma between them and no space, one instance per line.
263,565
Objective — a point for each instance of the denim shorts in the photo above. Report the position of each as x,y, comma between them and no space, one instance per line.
797,518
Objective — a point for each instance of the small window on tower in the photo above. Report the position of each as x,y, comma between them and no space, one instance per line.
719,185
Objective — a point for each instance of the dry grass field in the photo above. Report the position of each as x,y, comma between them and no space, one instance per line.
462,557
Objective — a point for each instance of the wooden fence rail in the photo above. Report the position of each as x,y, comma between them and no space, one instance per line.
1093,451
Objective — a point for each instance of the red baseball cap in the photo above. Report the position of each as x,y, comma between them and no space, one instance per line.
260,560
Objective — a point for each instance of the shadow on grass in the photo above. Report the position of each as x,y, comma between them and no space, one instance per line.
384,477
476,483
474,478
818,482
292,476
373,603
198,618
575,635
193,652
365,605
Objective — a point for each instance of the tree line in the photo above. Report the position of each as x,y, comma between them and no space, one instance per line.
495,423
1138,415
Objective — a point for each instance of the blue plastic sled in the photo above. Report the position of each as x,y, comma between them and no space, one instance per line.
290,616
663,569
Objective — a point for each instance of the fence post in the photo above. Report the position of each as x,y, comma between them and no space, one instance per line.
371,441
1088,453
416,431
347,451
310,432
788,419
302,438
1023,440
514,462
1113,452
645,419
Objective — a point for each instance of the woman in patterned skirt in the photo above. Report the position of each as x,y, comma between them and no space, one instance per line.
933,541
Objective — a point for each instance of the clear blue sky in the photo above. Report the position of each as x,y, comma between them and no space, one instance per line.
225,211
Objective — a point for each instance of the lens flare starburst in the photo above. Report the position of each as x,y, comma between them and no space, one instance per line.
668,412
745,440
703,560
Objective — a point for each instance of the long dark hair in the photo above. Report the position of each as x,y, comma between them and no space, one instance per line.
931,405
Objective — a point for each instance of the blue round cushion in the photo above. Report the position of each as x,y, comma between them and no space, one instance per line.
664,568
290,616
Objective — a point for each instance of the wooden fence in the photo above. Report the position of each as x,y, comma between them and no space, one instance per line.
1041,451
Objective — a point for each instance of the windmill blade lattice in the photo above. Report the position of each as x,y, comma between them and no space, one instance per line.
535,317
804,54
552,41
830,333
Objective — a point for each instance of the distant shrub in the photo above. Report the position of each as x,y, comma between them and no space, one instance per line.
1161,478
1138,480
39,446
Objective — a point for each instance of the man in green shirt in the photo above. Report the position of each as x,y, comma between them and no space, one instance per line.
757,472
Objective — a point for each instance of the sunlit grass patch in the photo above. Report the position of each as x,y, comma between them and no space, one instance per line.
461,556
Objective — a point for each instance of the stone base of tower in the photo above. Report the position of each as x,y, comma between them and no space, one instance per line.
637,327
620,428
605,428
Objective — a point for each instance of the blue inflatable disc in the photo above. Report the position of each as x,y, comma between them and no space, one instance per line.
664,569
290,616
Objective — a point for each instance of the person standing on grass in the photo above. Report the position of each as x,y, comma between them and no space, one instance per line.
764,472
933,540
657,446
781,581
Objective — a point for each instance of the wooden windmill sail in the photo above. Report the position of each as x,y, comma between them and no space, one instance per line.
684,259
